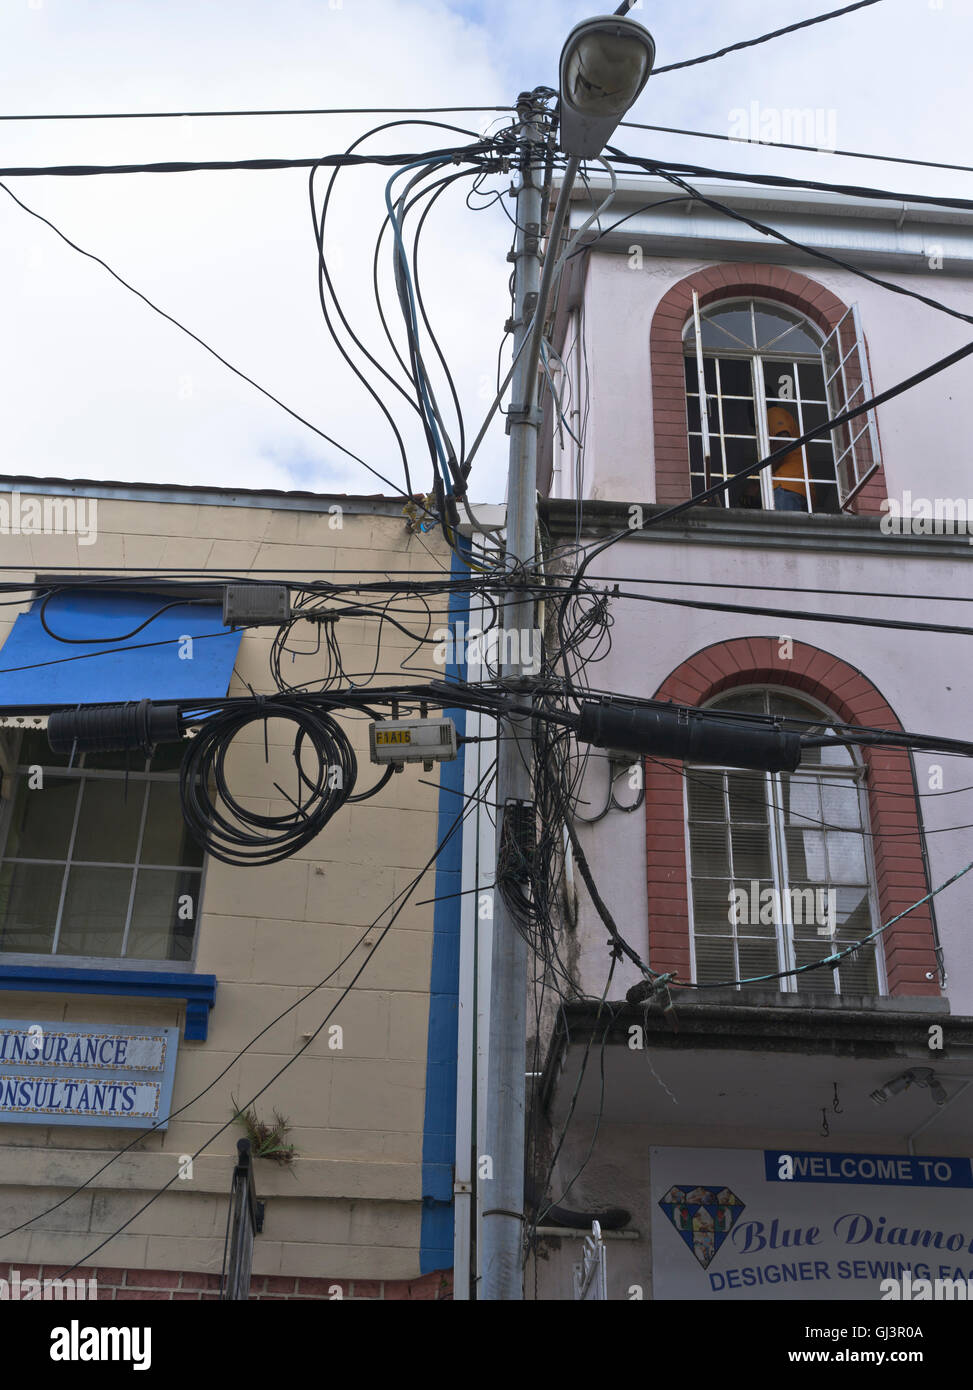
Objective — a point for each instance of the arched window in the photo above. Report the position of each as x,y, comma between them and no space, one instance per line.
763,381
780,864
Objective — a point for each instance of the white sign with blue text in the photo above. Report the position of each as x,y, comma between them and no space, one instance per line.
805,1225
86,1073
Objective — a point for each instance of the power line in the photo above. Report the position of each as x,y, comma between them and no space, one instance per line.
281,111
405,896
850,190
814,251
197,339
811,149
190,166
719,488
764,38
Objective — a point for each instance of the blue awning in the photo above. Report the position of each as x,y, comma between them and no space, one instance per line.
184,653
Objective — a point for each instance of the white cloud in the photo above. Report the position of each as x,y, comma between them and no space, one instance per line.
97,386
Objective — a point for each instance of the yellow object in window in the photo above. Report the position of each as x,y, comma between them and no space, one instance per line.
789,473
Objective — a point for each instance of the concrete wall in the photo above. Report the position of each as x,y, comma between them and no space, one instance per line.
924,434
349,1207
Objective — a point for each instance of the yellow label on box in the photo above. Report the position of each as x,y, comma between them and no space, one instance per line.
395,736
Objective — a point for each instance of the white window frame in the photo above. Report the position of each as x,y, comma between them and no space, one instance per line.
785,936
121,961
756,358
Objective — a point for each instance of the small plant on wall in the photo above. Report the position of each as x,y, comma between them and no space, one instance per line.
266,1140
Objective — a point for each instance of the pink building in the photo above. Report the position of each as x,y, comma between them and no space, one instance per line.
718,876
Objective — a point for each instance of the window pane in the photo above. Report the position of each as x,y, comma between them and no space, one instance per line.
692,375
168,756
692,412
34,748
108,826
738,417
846,857
748,796
826,498
42,817
840,804
29,895
712,907
705,795
93,921
819,981
811,380
727,327
751,851
131,760
710,853
165,839
714,960
161,928
759,958
736,378
771,323
859,976
798,339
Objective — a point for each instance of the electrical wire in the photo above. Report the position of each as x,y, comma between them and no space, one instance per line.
765,38
90,255
810,149
405,896
286,111
194,166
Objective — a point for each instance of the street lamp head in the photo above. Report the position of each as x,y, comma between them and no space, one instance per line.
605,63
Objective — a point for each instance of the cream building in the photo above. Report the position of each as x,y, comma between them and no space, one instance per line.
92,945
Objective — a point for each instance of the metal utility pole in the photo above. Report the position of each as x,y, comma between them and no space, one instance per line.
604,65
503,1143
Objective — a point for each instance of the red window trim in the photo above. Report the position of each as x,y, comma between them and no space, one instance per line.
730,280
901,878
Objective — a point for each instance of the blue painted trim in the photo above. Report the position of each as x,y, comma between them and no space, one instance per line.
439,1125
199,991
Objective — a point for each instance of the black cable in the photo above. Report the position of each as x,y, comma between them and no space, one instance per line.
404,895
764,38
196,339
811,149
799,614
818,254
286,111
849,190
719,488
188,166
232,833
125,636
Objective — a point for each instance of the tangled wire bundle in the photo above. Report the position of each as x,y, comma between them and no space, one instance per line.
232,833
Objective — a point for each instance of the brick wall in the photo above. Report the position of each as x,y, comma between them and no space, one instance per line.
671,441
166,1285
896,845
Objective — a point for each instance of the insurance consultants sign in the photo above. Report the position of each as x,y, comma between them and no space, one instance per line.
792,1224
85,1074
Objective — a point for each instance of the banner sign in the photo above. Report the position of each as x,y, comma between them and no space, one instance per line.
795,1224
86,1074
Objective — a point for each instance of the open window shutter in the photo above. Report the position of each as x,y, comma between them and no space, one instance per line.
848,385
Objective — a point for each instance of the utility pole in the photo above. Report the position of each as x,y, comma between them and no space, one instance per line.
604,65
503,1143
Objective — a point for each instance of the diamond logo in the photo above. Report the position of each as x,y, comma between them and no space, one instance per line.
703,1216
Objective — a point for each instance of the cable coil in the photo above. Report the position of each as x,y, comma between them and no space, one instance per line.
236,835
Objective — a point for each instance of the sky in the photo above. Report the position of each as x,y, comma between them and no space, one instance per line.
94,385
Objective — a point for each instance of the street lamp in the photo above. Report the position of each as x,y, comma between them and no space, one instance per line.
604,66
